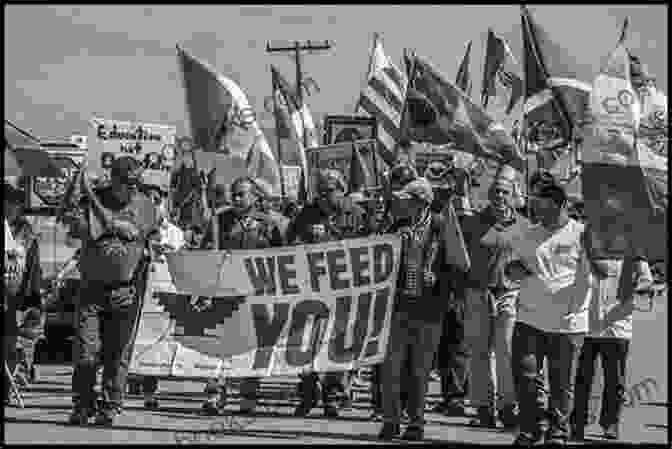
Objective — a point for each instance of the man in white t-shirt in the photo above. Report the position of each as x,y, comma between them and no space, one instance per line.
552,315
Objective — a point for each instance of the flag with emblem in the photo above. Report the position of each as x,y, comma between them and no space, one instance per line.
296,118
383,98
553,92
463,79
500,67
222,120
439,113
624,181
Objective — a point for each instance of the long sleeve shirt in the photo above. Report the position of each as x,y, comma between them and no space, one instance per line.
489,244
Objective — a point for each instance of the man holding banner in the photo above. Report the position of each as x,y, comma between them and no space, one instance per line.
331,217
114,228
241,227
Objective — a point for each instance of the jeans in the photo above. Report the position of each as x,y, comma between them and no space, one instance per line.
105,330
412,345
333,386
453,353
489,328
530,347
614,354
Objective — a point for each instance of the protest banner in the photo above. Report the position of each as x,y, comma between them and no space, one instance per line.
339,156
257,313
151,144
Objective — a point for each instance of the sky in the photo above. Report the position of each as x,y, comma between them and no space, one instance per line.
65,64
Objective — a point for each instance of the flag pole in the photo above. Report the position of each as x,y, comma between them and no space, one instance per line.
411,77
278,141
376,36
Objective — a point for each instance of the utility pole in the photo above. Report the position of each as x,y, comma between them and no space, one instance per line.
297,47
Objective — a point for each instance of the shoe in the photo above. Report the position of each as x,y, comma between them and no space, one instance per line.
389,432
106,416
404,417
209,408
525,439
455,408
508,416
435,376
376,416
80,416
152,403
485,417
247,411
413,433
610,432
301,411
555,439
330,411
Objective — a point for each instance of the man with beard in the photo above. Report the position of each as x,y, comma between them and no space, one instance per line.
491,302
332,216
114,266
22,281
241,226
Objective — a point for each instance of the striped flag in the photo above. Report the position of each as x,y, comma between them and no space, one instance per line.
383,98
463,80
222,120
624,181
295,117
499,66
439,113
553,91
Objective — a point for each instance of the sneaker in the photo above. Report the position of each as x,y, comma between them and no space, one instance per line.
106,416
413,433
485,417
389,431
610,432
330,411
80,416
435,376
152,403
508,415
404,417
376,416
525,439
301,411
209,408
455,408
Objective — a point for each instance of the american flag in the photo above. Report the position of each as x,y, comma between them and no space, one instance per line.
383,98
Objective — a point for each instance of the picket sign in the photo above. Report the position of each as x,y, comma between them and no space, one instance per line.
272,312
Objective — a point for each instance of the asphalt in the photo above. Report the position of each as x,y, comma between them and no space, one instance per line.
177,421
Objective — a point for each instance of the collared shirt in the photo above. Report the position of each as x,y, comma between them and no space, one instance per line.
557,296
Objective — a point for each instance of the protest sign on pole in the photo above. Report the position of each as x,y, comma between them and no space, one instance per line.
253,313
151,144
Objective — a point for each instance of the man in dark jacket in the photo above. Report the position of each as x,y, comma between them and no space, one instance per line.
114,228
332,216
242,226
415,329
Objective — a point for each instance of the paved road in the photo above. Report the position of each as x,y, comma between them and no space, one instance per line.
178,421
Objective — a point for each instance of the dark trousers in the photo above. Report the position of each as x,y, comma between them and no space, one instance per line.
150,384
453,355
9,338
614,355
411,348
105,329
332,385
530,347
377,393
